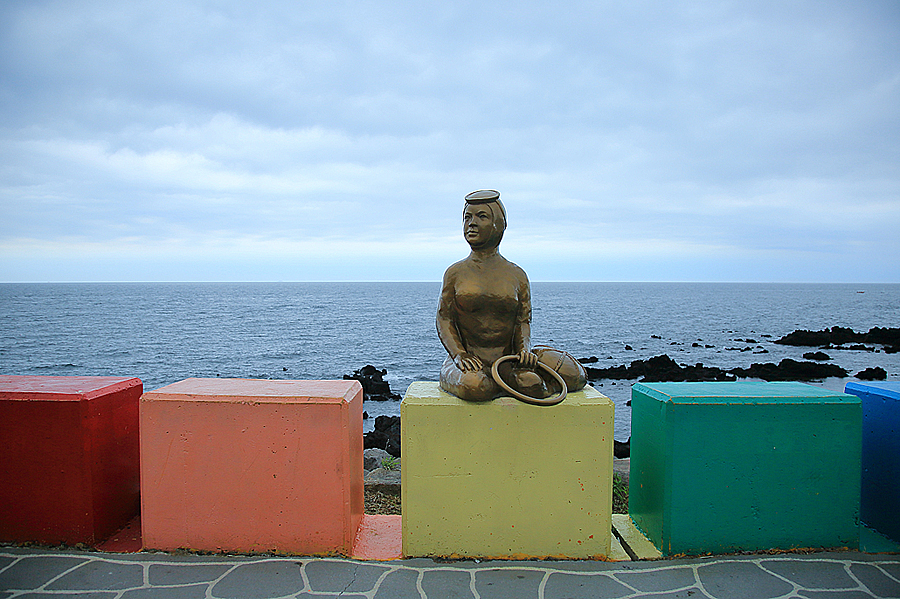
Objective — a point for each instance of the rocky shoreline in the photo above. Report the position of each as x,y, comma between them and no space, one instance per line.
662,368
375,388
839,337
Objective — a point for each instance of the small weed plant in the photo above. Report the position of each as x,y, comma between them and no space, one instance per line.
620,495
390,463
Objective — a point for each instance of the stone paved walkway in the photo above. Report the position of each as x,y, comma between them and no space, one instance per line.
37,573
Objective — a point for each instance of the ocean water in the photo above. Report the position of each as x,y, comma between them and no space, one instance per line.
165,332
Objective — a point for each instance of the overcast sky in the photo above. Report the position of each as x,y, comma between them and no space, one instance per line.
302,141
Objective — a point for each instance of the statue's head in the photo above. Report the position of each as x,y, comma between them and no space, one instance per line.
484,219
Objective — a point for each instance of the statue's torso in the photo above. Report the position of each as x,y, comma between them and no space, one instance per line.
487,306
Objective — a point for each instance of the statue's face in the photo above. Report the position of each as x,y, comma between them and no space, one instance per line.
478,225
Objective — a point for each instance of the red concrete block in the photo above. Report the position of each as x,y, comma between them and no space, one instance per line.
252,466
69,469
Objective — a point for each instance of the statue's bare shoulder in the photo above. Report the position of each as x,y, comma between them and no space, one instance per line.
453,270
520,273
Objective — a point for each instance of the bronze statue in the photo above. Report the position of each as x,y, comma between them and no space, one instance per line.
484,320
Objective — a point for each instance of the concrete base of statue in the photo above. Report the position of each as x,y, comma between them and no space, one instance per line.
505,479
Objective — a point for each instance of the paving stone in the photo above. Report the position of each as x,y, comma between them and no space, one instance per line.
892,568
260,580
6,560
876,580
839,594
196,591
584,586
740,580
812,574
34,572
399,584
461,564
100,574
170,574
342,577
306,595
663,579
691,593
447,584
838,556
78,595
159,557
424,562
581,565
500,583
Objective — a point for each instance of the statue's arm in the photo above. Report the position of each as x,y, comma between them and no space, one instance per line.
522,332
447,331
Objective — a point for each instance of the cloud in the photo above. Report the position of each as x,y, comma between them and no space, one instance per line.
709,138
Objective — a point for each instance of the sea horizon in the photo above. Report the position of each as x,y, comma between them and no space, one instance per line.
162,332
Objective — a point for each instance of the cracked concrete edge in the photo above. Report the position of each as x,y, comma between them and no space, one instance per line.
617,552
633,539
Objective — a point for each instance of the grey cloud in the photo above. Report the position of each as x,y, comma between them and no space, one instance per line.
753,125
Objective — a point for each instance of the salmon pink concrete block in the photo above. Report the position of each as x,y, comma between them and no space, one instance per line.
69,464
252,466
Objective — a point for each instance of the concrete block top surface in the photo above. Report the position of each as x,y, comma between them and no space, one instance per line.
430,393
257,391
884,388
65,388
743,392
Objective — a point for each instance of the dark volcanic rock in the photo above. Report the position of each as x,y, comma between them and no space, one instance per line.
819,356
375,388
659,368
790,370
386,435
854,347
804,338
872,374
663,368
622,449
883,336
841,336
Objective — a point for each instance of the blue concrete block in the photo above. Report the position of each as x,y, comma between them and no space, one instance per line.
880,491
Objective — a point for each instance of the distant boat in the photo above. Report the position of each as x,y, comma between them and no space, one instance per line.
860,292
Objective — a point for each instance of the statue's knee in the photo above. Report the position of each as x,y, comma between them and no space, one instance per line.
530,383
477,386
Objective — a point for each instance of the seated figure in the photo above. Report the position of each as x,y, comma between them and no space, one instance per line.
484,312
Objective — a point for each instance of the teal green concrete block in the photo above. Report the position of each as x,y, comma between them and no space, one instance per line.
742,466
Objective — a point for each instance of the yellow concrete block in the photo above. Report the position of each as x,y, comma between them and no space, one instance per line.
506,479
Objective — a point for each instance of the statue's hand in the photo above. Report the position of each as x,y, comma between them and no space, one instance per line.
528,359
468,363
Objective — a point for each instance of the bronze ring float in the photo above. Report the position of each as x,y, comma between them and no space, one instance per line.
521,396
